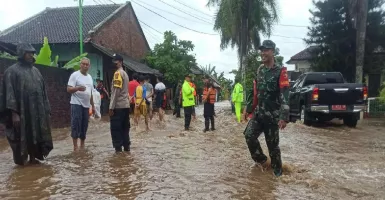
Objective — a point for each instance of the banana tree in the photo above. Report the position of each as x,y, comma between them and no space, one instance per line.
75,63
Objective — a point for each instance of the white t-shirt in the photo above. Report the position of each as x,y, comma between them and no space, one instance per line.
160,86
79,97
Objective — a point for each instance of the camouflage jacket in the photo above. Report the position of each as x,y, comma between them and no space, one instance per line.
273,92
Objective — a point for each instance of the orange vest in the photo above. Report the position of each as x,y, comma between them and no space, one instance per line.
209,95
195,89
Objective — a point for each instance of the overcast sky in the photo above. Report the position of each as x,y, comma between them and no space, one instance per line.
207,48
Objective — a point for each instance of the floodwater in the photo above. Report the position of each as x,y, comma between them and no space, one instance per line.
322,162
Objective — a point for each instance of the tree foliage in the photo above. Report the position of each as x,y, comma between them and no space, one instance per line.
333,35
240,22
44,56
75,62
7,55
224,82
252,62
173,57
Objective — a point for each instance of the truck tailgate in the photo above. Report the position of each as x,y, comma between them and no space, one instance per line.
340,94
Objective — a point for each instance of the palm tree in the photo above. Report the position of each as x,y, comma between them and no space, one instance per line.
208,69
240,23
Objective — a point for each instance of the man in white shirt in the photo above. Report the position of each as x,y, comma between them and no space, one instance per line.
160,90
80,85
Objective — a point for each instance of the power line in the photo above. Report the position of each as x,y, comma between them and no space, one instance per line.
193,8
287,37
202,19
289,25
112,2
152,34
167,11
150,27
173,21
193,29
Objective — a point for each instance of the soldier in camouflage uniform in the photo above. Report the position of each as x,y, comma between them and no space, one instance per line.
271,112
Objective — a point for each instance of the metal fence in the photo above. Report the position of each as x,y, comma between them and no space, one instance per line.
376,107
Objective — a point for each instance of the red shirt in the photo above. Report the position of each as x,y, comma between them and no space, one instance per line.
131,89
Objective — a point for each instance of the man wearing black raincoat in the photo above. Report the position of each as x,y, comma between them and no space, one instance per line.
25,110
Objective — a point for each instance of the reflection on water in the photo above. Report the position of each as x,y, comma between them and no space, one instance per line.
321,162
33,182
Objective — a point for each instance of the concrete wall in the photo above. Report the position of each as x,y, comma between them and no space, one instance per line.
56,83
302,66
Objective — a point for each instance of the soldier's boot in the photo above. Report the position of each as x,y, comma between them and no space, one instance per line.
278,172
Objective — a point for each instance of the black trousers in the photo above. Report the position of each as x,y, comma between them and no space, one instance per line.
208,113
187,116
120,128
207,122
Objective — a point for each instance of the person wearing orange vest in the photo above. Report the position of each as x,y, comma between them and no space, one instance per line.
209,95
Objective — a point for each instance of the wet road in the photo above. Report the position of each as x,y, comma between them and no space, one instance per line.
325,162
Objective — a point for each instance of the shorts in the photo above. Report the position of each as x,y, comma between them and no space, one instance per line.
79,121
141,110
149,107
159,103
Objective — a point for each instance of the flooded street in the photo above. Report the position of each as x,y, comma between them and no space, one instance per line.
322,162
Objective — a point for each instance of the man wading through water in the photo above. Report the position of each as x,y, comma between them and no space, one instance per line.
120,108
25,110
209,95
188,101
272,110
80,85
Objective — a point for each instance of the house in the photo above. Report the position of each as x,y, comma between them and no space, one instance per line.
302,60
107,29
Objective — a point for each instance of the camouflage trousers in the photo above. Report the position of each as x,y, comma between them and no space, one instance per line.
254,129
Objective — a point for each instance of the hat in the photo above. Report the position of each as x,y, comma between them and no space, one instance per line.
267,44
188,75
117,57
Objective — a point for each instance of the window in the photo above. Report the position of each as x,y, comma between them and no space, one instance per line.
322,78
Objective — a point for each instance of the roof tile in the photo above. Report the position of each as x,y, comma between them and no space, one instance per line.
60,25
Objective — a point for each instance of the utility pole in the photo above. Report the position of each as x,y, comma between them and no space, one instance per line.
361,14
81,26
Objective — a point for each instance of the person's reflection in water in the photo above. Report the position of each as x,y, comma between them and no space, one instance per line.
123,177
258,185
34,182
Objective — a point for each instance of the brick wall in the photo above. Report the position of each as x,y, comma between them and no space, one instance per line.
123,34
56,83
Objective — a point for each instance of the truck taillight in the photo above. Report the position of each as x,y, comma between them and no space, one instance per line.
365,93
315,94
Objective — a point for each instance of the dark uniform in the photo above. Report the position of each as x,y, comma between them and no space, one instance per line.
273,89
120,105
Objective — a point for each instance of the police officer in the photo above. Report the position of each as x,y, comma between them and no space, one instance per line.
120,107
272,110
188,101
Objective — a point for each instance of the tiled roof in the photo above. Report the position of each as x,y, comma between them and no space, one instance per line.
303,55
128,62
60,25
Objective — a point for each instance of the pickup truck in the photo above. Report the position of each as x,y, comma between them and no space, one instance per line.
323,96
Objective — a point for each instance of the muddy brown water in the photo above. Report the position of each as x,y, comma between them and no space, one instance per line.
322,162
